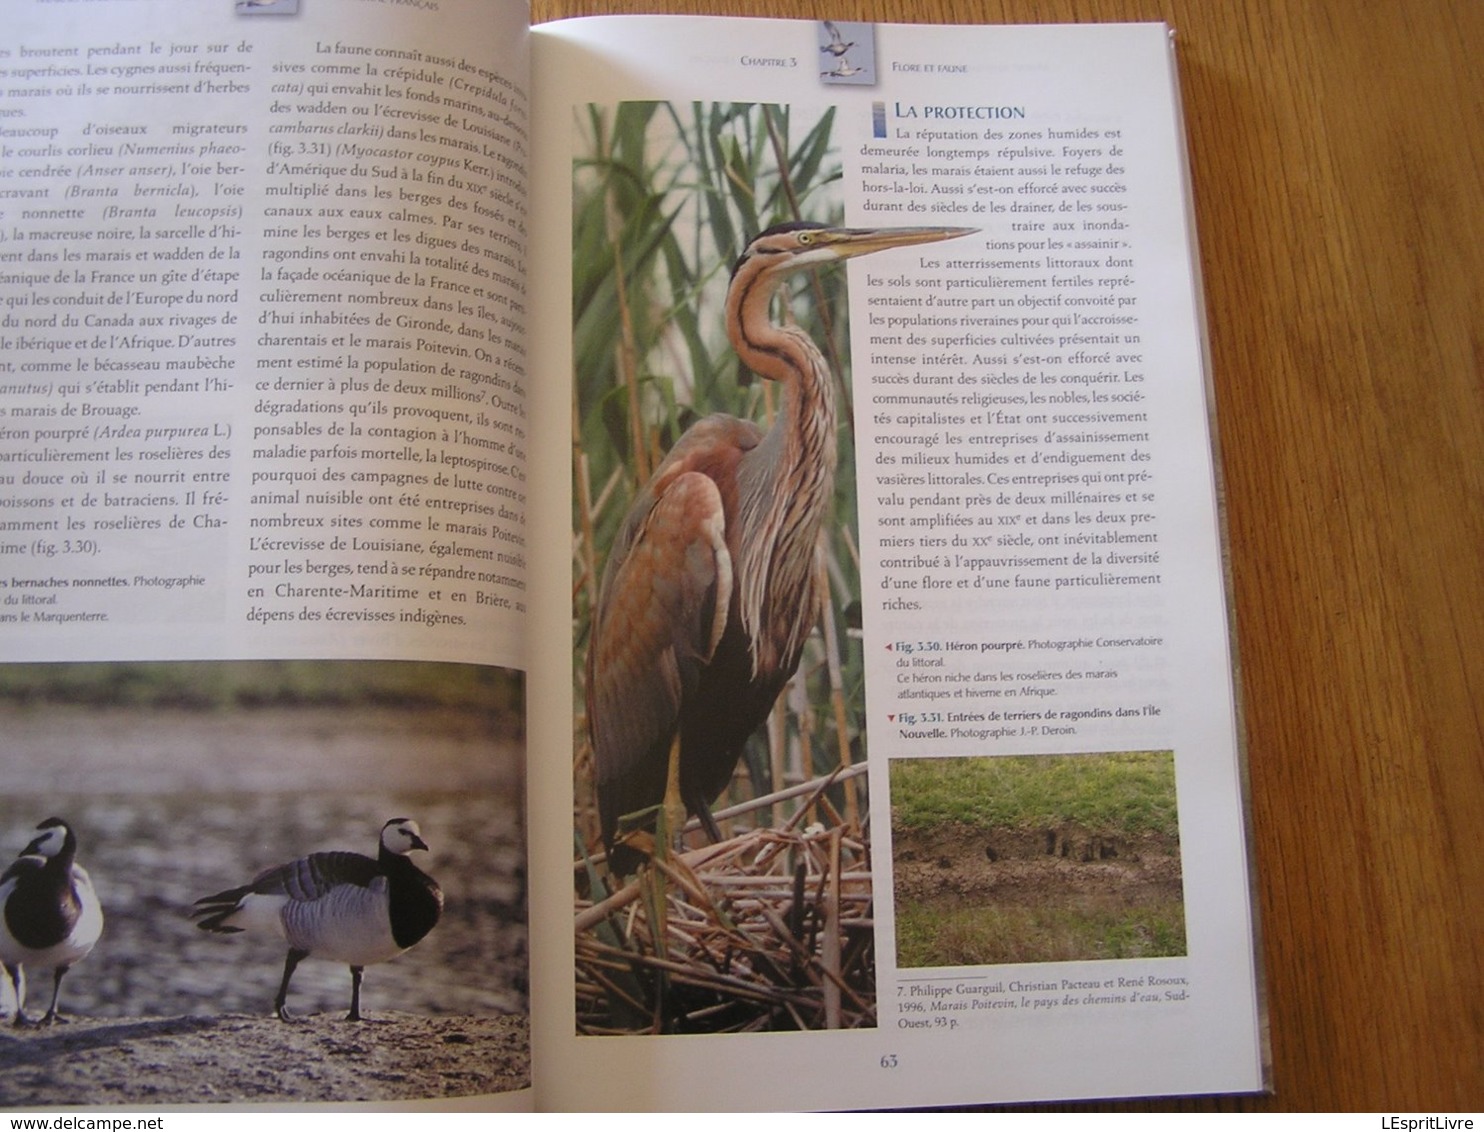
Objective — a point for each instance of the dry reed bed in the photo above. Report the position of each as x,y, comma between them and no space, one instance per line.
770,930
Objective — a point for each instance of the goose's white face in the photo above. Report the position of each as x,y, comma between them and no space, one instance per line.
402,836
48,843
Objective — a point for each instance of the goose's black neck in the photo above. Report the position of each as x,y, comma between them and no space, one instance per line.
416,901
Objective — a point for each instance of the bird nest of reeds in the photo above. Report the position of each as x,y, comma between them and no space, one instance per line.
768,930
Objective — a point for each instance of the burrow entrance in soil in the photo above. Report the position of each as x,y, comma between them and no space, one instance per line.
1034,866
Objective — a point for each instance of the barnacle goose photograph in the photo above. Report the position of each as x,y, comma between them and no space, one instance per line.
348,907
50,917
306,798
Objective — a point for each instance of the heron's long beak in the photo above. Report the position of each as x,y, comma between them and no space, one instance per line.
849,242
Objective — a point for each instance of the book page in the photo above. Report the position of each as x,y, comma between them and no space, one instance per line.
264,329
263,432
995,814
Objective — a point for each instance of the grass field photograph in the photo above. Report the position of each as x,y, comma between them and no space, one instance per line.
1036,859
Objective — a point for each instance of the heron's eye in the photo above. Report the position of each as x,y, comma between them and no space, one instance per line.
806,237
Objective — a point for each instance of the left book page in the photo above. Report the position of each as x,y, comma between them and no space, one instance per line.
262,550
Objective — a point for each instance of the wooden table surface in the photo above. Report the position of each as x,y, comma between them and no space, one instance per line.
1338,158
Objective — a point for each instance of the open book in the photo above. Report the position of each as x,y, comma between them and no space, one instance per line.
346,352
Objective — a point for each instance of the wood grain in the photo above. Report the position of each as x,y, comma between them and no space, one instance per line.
1338,159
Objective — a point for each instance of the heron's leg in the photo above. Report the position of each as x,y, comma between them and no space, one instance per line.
674,804
708,823
355,995
280,1003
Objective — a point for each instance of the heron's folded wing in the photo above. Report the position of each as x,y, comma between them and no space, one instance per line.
662,610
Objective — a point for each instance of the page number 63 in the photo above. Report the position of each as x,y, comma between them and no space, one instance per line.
888,1061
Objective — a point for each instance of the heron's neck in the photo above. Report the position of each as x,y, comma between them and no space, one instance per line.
785,499
806,423
802,440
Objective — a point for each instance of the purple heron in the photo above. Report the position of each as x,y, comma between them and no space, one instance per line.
708,594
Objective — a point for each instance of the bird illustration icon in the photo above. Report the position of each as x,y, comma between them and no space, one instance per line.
837,45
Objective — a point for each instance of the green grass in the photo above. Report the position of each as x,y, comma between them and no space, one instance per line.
934,933
1130,793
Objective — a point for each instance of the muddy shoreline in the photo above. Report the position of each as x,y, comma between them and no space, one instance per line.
236,1059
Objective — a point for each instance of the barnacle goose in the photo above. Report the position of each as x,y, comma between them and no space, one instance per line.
51,915
355,909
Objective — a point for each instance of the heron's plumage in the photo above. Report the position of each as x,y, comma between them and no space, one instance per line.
709,593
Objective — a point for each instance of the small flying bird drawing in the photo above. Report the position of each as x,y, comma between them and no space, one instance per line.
837,45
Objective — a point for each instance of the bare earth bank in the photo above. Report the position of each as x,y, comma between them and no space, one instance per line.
236,1058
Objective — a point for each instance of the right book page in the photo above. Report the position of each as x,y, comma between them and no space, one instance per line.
1001,852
